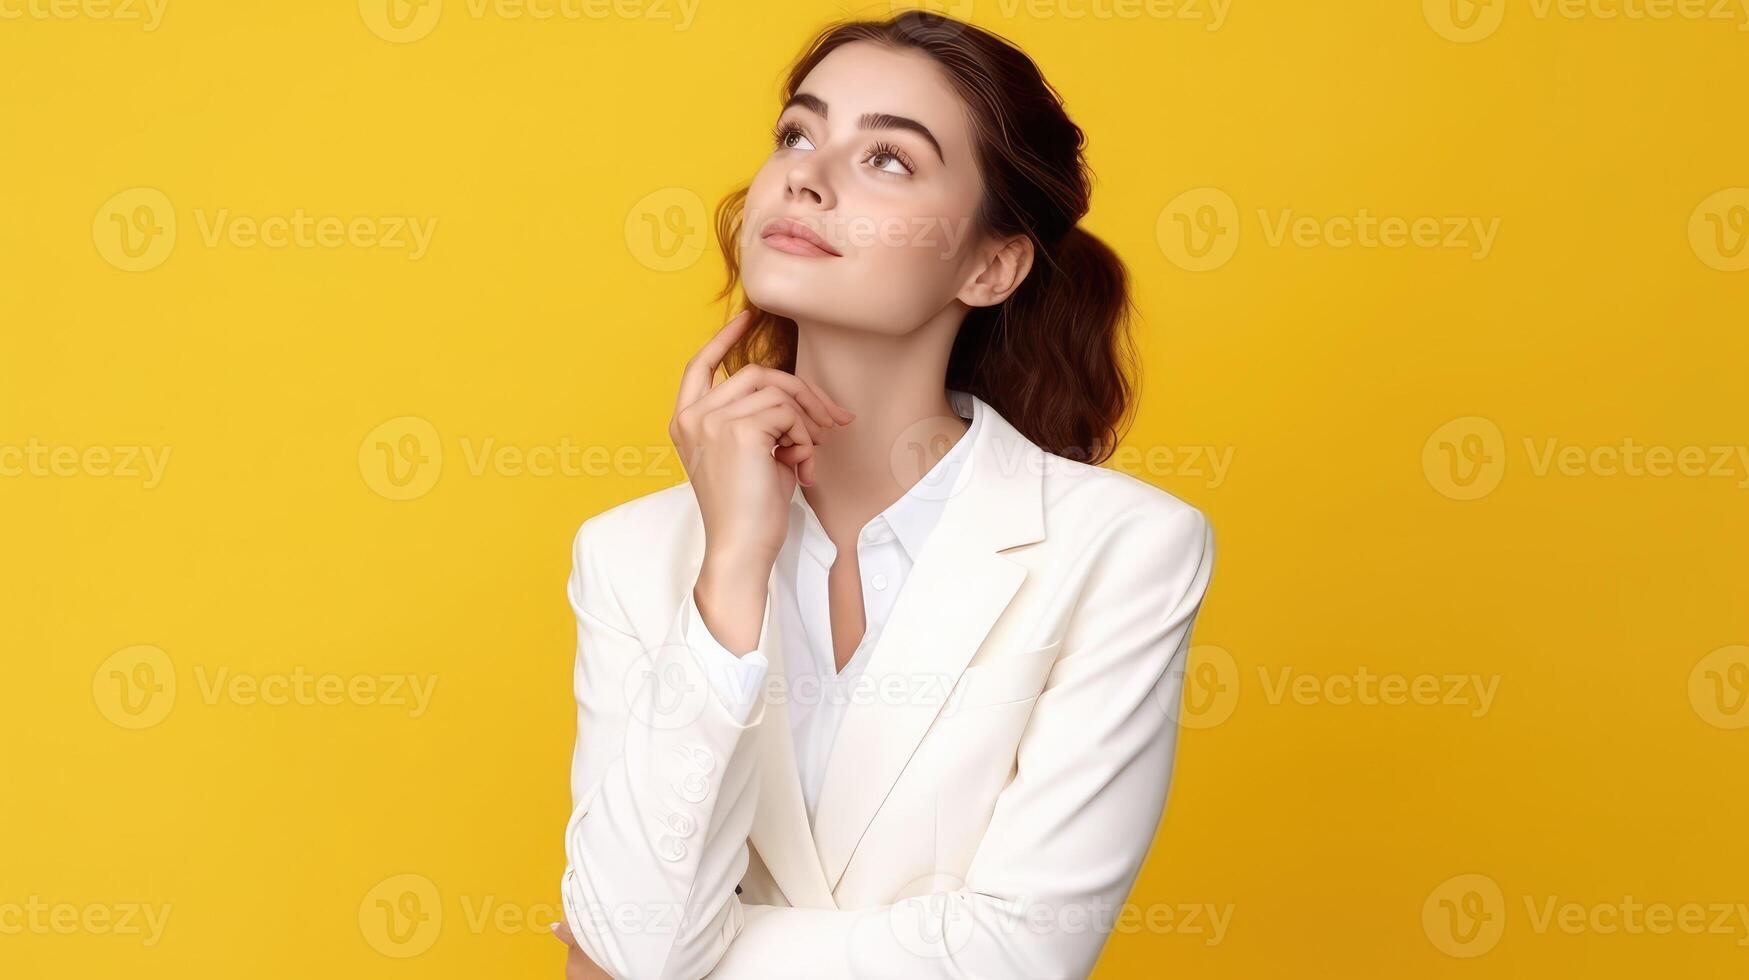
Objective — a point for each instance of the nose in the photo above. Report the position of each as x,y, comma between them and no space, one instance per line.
805,183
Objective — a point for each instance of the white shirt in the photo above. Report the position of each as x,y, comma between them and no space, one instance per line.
887,547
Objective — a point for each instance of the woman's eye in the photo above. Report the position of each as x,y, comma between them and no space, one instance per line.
888,162
882,156
888,159
794,139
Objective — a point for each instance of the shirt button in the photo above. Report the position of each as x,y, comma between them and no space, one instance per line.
879,582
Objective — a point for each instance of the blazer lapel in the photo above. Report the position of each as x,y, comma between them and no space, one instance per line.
957,588
780,823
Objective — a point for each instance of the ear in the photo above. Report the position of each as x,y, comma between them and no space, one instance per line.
1000,272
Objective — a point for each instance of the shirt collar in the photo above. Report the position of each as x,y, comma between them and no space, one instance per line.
914,515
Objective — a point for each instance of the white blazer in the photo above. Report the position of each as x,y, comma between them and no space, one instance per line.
984,815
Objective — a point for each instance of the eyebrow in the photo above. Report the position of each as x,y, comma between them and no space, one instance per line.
870,120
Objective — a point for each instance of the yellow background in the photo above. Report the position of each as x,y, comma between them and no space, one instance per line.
1608,766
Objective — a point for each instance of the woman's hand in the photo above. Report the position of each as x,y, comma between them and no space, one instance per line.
745,443
578,966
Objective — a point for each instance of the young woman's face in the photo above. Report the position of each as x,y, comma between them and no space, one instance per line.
874,157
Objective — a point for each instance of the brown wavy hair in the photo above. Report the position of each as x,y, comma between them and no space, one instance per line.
1054,358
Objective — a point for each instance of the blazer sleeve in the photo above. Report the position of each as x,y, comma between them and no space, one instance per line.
662,786
1070,831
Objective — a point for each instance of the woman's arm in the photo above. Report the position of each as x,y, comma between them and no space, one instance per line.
1068,835
661,779
661,784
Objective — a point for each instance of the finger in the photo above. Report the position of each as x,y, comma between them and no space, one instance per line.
695,379
844,415
756,377
809,396
780,419
562,931
803,430
800,459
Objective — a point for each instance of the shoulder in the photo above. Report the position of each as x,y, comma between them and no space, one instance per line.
626,560
1079,496
656,523
1134,527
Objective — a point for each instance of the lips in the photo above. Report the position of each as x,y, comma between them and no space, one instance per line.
790,235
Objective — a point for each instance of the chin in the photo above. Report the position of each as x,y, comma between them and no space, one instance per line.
797,297
828,300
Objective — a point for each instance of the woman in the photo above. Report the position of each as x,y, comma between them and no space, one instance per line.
888,688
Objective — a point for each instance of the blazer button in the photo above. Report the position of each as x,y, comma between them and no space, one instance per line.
693,787
701,758
670,849
681,824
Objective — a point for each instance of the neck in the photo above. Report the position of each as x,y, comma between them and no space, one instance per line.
896,385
